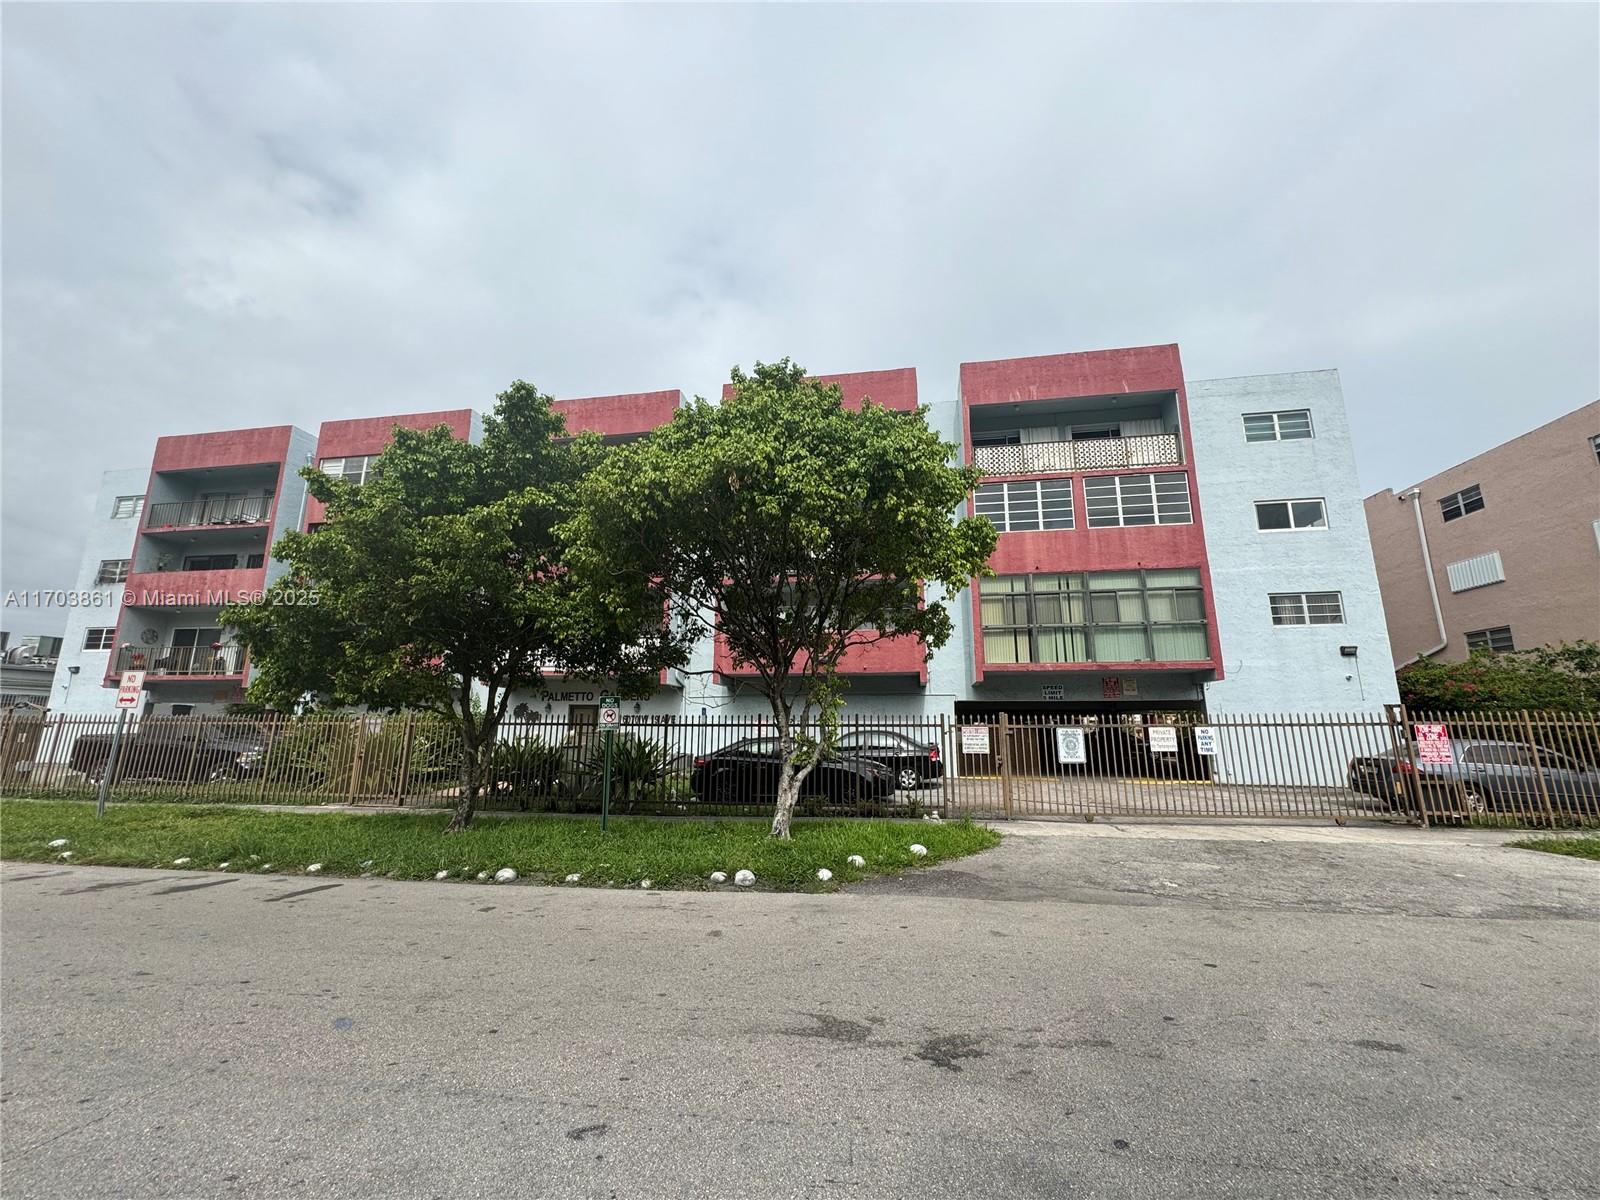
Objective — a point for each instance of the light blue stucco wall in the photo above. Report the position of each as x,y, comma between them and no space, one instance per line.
1288,668
104,536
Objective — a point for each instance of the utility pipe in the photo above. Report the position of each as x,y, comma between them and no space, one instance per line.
1415,496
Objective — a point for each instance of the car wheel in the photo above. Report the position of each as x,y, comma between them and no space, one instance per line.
908,778
1472,801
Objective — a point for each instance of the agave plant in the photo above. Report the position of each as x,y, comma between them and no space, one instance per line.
638,767
527,767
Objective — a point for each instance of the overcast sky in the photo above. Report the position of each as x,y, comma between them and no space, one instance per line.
222,216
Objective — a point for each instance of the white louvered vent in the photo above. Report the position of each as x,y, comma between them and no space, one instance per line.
1476,572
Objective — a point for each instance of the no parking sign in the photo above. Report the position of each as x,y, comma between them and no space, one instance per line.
1433,744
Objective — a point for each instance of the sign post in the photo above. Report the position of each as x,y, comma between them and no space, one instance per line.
128,690
610,720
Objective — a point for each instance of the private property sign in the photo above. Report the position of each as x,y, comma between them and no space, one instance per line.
1433,744
130,687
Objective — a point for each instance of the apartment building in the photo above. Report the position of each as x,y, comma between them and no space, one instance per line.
1500,552
1164,545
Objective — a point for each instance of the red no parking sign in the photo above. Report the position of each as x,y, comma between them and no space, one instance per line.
1433,744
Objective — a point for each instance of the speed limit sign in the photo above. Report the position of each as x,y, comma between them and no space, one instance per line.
610,712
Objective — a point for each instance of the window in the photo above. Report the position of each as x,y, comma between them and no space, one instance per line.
1307,608
1494,754
1101,616
1459,504
127,506
353,469
997,437
1028,504
1288,426
1497,639
98,639
1092,433
1283,516
1137,499
210,562
112,570
255,560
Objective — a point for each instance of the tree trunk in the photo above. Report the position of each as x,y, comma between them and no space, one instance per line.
475,768
788,796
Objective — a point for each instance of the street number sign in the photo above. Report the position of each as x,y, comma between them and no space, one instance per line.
130,687
610,712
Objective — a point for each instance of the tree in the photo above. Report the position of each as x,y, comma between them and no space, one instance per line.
440,585
1564,678
793,528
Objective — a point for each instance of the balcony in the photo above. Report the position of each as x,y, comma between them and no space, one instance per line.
893,656
229,511
192,589
180,662
1086,454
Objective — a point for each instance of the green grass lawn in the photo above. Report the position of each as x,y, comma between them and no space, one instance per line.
671,854
1587,846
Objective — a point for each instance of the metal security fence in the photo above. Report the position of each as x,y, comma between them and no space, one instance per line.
1536,769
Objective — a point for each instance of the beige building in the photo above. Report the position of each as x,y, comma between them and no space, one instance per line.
1511,540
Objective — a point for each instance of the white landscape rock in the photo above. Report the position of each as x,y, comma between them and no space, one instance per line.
222,866
181,862
744,878
65,854
482,875
314,869
573,878
58,843
505,875
918,849
366,864
645,884
719,877
442,875
824,874
855,860
266,866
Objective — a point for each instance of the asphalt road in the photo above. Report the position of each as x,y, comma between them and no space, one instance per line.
1148,1012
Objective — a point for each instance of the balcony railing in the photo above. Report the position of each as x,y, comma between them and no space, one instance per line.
182,661
238,510
1089,454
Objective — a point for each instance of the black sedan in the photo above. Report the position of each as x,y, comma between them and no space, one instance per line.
747,772
915,764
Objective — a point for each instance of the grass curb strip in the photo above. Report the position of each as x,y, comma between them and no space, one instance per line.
670,854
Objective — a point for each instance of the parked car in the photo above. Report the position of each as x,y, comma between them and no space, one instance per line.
1484,776
172,753
915,764
747,772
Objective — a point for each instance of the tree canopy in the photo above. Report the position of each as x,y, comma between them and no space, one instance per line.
793,528
441,584
1564,678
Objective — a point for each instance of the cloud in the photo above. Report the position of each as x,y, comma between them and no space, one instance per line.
220,216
